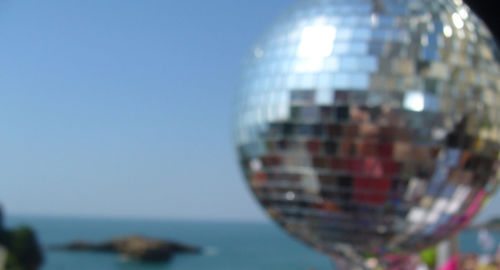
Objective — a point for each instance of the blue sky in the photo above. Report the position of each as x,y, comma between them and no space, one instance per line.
123,107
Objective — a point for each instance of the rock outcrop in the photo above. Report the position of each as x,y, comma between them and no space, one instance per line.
21,248
134,247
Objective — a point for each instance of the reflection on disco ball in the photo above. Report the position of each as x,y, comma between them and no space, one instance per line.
372,126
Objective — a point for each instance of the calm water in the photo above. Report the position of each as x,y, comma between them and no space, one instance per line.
232,246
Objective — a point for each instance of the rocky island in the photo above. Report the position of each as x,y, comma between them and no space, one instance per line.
19,248
137,248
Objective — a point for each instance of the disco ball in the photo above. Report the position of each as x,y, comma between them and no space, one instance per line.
371,126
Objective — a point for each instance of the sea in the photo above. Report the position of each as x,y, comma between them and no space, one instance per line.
226,245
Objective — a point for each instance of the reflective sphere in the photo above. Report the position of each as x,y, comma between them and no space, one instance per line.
372,126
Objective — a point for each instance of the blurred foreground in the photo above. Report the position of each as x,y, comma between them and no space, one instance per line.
19,249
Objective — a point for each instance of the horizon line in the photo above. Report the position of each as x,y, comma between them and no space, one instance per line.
8,215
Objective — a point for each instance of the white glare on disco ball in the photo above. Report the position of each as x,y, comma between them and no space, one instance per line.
371,126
